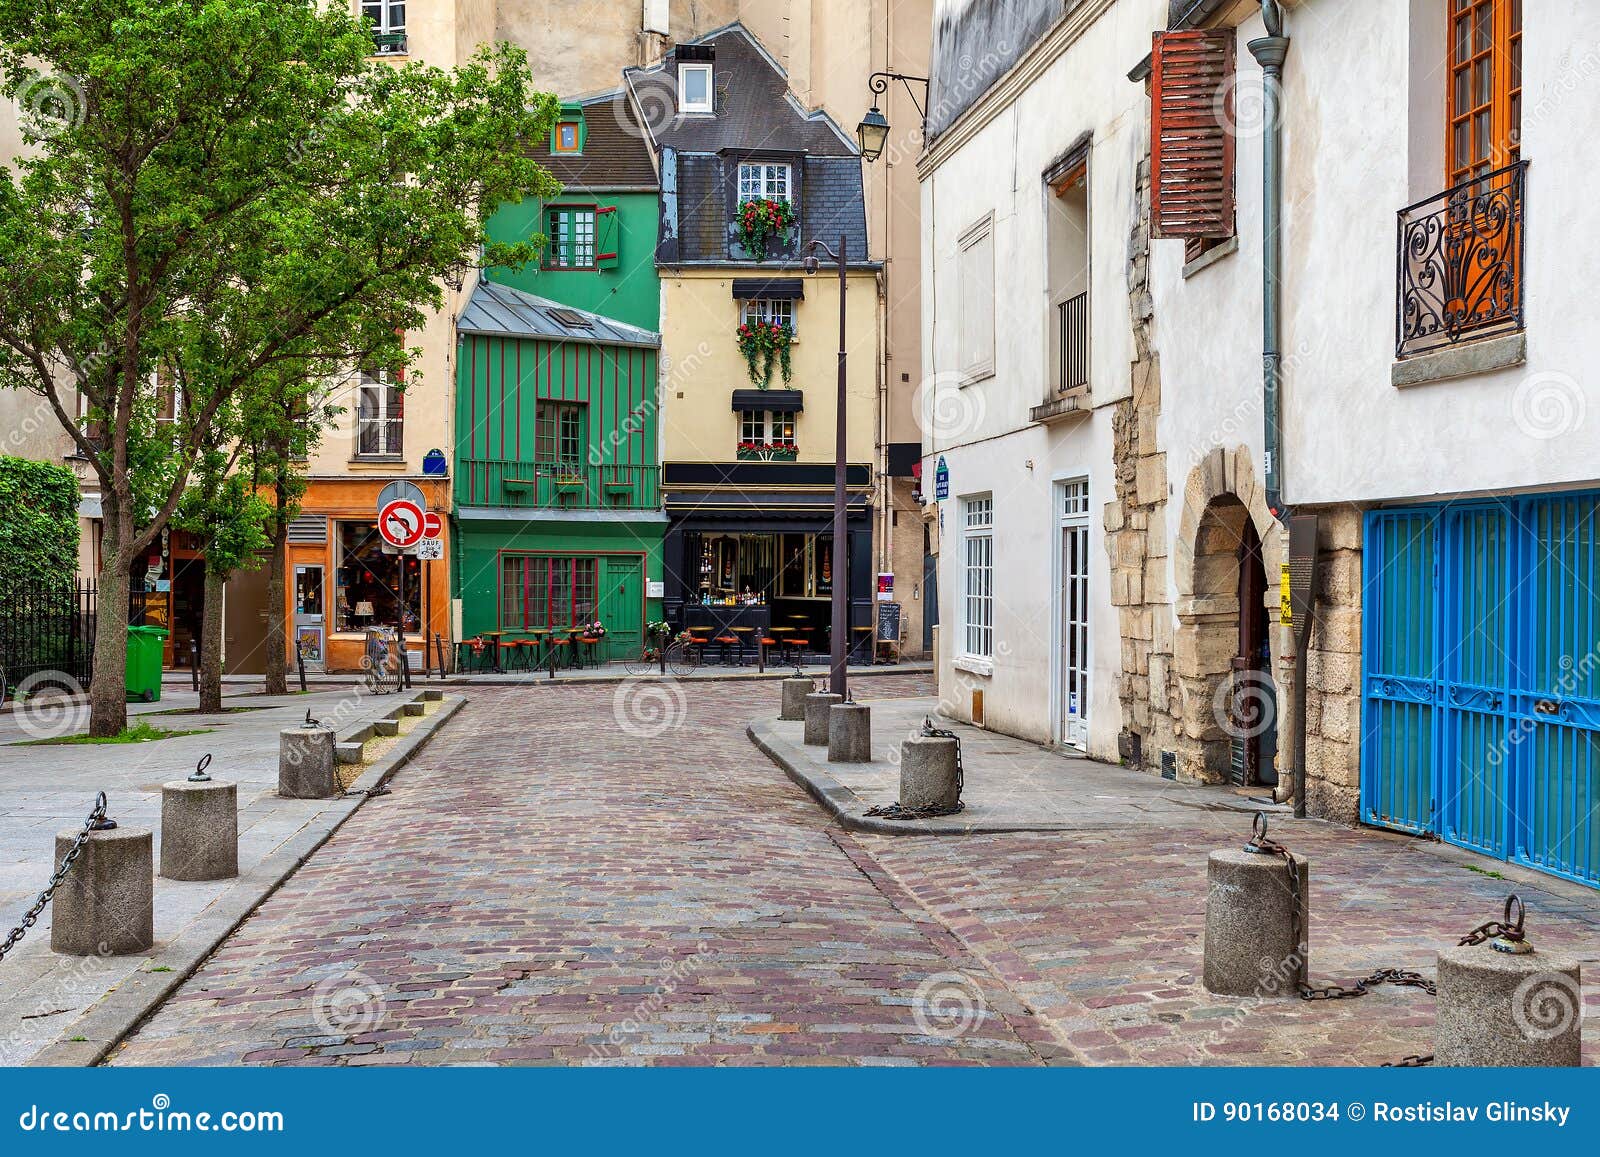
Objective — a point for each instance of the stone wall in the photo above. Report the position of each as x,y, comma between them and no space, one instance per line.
1333,676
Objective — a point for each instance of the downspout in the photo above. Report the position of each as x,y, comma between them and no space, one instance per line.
1270,52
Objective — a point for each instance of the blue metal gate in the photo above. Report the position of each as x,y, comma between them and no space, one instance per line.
1481,677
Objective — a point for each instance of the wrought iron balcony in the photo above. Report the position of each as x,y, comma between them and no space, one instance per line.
557,485
1460,265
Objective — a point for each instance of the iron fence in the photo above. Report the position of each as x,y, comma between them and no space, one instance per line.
1460,263
46,629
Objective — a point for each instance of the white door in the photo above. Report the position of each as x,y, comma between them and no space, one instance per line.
1073,627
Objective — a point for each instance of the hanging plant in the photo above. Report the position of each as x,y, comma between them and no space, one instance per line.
765,347
760,219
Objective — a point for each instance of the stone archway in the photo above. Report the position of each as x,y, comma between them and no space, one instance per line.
1221,499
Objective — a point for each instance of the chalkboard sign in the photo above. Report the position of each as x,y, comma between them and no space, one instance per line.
888,622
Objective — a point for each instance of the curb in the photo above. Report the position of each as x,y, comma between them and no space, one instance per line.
542,680
846,806
105,1024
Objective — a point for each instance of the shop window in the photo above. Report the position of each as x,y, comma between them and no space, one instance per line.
560,438
374,587
380,417
547,591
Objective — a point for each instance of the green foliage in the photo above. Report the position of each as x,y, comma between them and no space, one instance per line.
220,194
765,346
758,219
38,520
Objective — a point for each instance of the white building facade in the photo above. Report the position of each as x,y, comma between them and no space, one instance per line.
1437,412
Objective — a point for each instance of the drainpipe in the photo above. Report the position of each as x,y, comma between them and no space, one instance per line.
1270,51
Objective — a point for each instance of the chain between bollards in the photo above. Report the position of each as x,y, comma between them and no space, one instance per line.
97,822
894,811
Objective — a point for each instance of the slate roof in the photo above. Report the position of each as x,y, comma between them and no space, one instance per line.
496,310
756,117
616,149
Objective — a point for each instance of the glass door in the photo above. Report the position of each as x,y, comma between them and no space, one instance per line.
310,625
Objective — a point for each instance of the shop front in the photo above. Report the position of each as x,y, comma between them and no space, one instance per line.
760,548
342,579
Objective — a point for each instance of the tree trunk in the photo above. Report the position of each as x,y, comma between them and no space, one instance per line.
277,643
211,644
108,695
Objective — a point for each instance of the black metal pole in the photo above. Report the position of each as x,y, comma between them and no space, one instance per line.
841,551
194,664
300,662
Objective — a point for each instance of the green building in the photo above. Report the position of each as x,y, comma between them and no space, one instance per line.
557,511
602,229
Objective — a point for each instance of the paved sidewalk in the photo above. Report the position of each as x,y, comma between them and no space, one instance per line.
45,789
1010,785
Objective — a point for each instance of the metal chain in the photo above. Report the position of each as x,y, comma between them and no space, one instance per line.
96,822
893,811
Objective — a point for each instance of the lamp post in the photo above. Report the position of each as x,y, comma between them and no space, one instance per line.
838,634
873,131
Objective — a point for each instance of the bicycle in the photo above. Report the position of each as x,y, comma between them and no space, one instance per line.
680,657
382,661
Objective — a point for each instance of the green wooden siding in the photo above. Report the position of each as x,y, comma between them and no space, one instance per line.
626,289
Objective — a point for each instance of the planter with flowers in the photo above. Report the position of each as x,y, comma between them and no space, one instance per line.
765,346
758,221
768,451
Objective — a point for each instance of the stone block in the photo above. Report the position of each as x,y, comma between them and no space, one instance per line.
818,705
199,830
106,904
1151,479
305,763
1254,938
795,690
928,772
850,733
1502,1009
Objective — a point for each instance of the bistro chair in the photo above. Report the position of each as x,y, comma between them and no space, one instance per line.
799,644
699,639
588,654
744,635
560,648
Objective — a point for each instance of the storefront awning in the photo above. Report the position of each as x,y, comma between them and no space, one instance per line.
785,288
780,401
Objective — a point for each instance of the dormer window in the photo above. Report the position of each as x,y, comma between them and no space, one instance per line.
760,182
694,88
567,138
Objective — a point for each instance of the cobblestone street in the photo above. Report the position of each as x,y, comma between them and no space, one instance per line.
554,882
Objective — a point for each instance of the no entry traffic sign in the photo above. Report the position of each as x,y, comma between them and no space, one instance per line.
432,524
400,522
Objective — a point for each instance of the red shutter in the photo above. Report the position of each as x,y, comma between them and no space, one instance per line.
1191,134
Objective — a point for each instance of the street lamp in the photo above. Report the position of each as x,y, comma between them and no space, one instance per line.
839,649
873,131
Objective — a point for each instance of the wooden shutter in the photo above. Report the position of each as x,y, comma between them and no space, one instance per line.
605,237
1191,134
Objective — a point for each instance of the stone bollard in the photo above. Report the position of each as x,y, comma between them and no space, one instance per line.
1256,905
928,772
850,733
199,828
818,704
795,690
305,761
106,904
1501,1002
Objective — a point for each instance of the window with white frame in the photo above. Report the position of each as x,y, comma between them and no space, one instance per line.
978,584
388,24
694,88
763,181
775,310
766,427
380,415
975,299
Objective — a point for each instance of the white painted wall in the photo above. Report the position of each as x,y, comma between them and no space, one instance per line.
1363,131
982,428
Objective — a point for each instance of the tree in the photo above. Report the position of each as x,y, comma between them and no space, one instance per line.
225,188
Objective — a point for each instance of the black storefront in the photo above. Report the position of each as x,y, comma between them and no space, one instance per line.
751,543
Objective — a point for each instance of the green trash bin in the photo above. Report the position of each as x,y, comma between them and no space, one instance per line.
143,679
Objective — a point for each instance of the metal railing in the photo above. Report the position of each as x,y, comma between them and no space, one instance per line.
388,43
47,629
1072,334
1459,266
557,485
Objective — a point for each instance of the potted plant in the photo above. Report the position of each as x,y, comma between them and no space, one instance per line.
758,220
